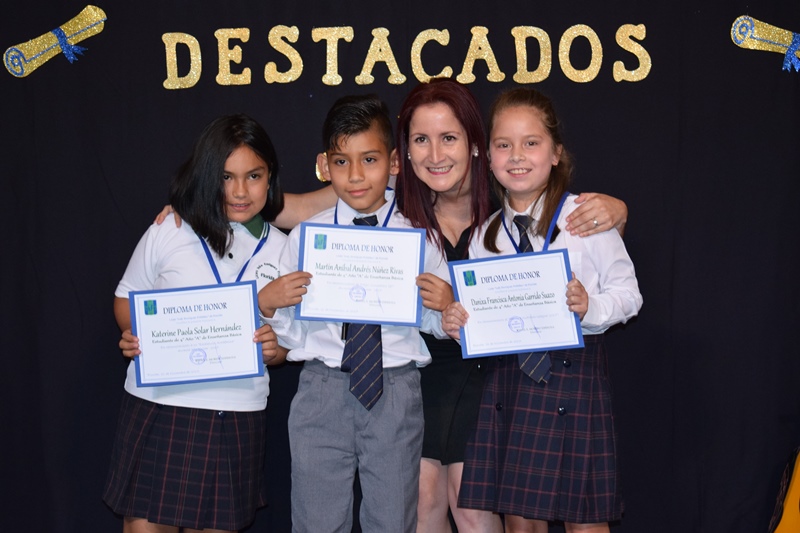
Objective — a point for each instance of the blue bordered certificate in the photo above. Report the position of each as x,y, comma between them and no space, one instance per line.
196,334
516,303
361,274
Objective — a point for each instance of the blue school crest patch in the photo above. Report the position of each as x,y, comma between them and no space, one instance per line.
469,278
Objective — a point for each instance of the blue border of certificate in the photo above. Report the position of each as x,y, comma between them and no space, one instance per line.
417,319
456,283
259,364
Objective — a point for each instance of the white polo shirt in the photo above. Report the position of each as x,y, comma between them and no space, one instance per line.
171,257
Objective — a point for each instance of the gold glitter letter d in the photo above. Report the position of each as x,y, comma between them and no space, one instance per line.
174,81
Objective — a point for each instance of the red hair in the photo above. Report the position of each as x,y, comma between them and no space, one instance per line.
414,198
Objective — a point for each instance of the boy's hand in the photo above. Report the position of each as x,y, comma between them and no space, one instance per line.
129,344
577,297
271,352
608,212
286,291
454,317
436,293
162,216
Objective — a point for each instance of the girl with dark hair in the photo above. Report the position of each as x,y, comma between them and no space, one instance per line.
544,448
189,457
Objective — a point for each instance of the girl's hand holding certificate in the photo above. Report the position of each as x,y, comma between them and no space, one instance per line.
271,353
577,297
129,344
454,317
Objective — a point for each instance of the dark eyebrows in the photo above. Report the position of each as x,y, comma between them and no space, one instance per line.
259,168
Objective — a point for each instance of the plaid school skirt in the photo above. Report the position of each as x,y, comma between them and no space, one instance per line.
546,451
187,467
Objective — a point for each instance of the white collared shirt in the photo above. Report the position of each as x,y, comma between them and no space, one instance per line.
310,339
600,262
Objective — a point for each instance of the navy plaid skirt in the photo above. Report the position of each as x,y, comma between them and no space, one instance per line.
546,451
186,467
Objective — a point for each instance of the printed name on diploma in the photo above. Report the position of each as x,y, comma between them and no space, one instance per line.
195,331
358,269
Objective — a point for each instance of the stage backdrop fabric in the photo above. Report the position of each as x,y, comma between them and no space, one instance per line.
660,106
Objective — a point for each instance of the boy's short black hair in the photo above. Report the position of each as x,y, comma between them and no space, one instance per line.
354,114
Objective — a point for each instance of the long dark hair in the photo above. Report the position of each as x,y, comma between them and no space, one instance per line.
197,192
560,175
414,198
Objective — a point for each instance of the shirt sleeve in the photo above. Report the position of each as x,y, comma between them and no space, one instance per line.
142,269
614,295
436,264
291,333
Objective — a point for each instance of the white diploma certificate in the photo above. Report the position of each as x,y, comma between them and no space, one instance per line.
196,334
516,303
362,274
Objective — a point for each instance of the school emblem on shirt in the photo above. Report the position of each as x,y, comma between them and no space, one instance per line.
150,307
267,272
320,241
469,278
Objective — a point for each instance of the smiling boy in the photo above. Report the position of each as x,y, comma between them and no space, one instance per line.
335,431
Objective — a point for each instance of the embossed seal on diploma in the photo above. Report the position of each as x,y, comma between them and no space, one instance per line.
516,324
198,356
358,293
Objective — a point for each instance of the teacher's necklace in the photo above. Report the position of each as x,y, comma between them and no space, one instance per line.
264,235
549,230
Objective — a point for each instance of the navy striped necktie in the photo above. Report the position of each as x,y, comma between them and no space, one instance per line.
363,351
536,365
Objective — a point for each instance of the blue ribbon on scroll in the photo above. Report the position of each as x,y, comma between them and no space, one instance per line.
69,49
790,59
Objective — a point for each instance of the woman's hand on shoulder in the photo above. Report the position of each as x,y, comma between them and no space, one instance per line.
162,216
597,213
129,344
435,292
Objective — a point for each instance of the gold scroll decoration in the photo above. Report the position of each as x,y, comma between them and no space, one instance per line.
22,59
753,34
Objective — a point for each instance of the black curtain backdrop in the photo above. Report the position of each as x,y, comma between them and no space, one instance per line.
705,150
